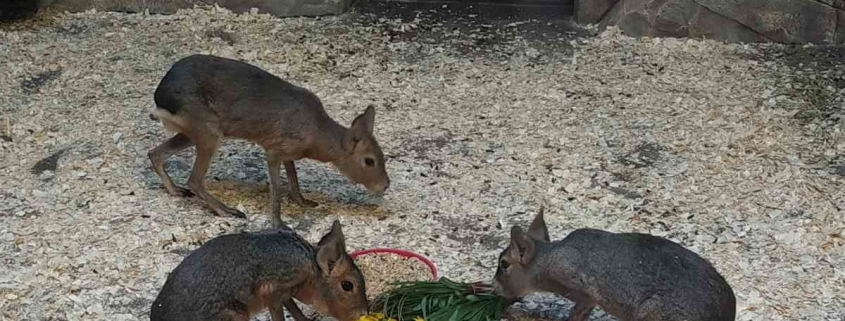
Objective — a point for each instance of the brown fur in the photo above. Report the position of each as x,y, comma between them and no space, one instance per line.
205,99
232,277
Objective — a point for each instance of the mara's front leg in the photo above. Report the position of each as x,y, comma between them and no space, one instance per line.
274,163
293,185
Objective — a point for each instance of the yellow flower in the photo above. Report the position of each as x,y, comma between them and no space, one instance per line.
418,318
372,317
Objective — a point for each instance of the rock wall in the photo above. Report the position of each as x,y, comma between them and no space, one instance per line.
784,21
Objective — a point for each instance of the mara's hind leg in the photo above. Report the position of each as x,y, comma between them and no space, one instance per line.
160,154
206,147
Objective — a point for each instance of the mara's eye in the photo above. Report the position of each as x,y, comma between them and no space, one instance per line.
369,162
347,286
504,264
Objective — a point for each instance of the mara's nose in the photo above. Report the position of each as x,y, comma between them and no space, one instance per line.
497,288
360,314
379,188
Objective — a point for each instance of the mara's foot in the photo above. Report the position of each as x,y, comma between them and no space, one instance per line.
180,192
302,201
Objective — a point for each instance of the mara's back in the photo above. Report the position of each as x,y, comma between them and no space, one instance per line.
217,275
638,271
232,92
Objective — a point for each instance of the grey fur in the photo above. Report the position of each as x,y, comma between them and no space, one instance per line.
633,276
234,276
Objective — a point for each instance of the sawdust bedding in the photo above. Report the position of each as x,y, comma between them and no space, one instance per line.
694,140
382,270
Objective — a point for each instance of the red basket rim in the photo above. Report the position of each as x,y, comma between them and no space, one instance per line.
403,253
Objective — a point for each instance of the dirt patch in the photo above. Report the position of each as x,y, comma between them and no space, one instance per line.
817,78
228,37
645,155
304,223
472,29
49,163
625,192
6,130
425,146
31,85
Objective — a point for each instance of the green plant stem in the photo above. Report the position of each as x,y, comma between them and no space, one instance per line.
442,300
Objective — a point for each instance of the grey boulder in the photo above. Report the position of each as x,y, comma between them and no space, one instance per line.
784,21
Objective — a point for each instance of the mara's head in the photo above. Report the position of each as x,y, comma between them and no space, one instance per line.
514,275
364,161
340,288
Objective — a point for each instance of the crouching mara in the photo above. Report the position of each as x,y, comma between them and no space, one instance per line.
234,276
633,276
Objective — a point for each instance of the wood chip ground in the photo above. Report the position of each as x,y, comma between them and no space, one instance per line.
382,270
694,140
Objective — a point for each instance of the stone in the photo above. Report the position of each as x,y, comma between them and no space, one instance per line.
675,17
591,11
783,21
634,23
729,30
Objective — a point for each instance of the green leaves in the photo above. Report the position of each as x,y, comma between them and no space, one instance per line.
442,300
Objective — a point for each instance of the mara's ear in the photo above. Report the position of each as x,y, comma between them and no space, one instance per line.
538,230
331,249
363,124
522,246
